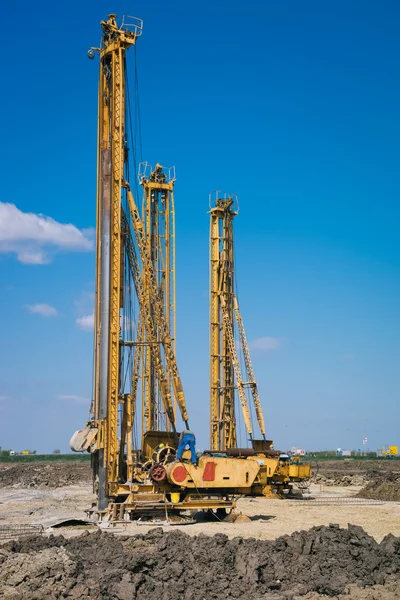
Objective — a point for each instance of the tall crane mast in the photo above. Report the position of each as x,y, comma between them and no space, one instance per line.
222,385
225,370
122,233
111,166
158,212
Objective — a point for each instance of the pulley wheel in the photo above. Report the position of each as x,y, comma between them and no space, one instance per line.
166,455
158,473
147,466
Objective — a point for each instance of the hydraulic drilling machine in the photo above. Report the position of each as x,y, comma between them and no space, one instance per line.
136,474
225,365
225,369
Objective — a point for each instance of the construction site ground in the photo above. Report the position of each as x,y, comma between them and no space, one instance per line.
360,493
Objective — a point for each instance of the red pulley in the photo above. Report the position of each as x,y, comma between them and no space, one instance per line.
158,473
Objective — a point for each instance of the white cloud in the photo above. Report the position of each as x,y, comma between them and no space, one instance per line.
265,344
86,322
45,310
33,258
84,304
73,398
127,324
34,237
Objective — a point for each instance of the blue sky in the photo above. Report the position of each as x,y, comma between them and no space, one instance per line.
291,106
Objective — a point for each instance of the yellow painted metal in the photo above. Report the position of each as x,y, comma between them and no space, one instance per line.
224,312
390,450
111,154
222,385
230,341
299,471
142,253
227,473
158,215
251,382
148,329
153,439
157,309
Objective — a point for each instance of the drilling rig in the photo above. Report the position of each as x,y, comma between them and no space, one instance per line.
225,370
136,473
226,377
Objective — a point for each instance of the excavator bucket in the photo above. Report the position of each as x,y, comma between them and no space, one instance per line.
84,440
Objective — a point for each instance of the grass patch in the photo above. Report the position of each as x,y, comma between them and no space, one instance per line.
31,458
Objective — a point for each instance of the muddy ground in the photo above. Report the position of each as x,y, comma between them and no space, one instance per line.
174,566
265,557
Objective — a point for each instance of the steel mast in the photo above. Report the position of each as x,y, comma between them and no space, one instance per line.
110,176
225,370
133,255
222,384
158,212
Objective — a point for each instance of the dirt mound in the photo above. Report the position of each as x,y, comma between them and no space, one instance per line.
42,475
382,486
354,466
390,591
336,478
174,566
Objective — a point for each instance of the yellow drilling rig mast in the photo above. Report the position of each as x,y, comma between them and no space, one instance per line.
158,212
131,254
134,444
225,370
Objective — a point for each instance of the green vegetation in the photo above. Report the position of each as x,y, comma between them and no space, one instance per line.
354,456
6,458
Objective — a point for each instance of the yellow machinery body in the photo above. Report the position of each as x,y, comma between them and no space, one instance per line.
390,450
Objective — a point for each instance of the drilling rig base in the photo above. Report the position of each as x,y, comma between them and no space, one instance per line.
122,512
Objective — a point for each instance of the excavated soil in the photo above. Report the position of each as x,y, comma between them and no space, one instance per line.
336,478
174,566
382,486
380,479
353,466
44,475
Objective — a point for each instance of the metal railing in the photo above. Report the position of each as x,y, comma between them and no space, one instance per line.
12,531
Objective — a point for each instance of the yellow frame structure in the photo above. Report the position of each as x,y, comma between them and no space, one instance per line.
225,371
135,265
222,384
158,215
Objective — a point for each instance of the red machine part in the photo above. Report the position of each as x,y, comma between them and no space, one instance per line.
158,473
179,473
209,471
